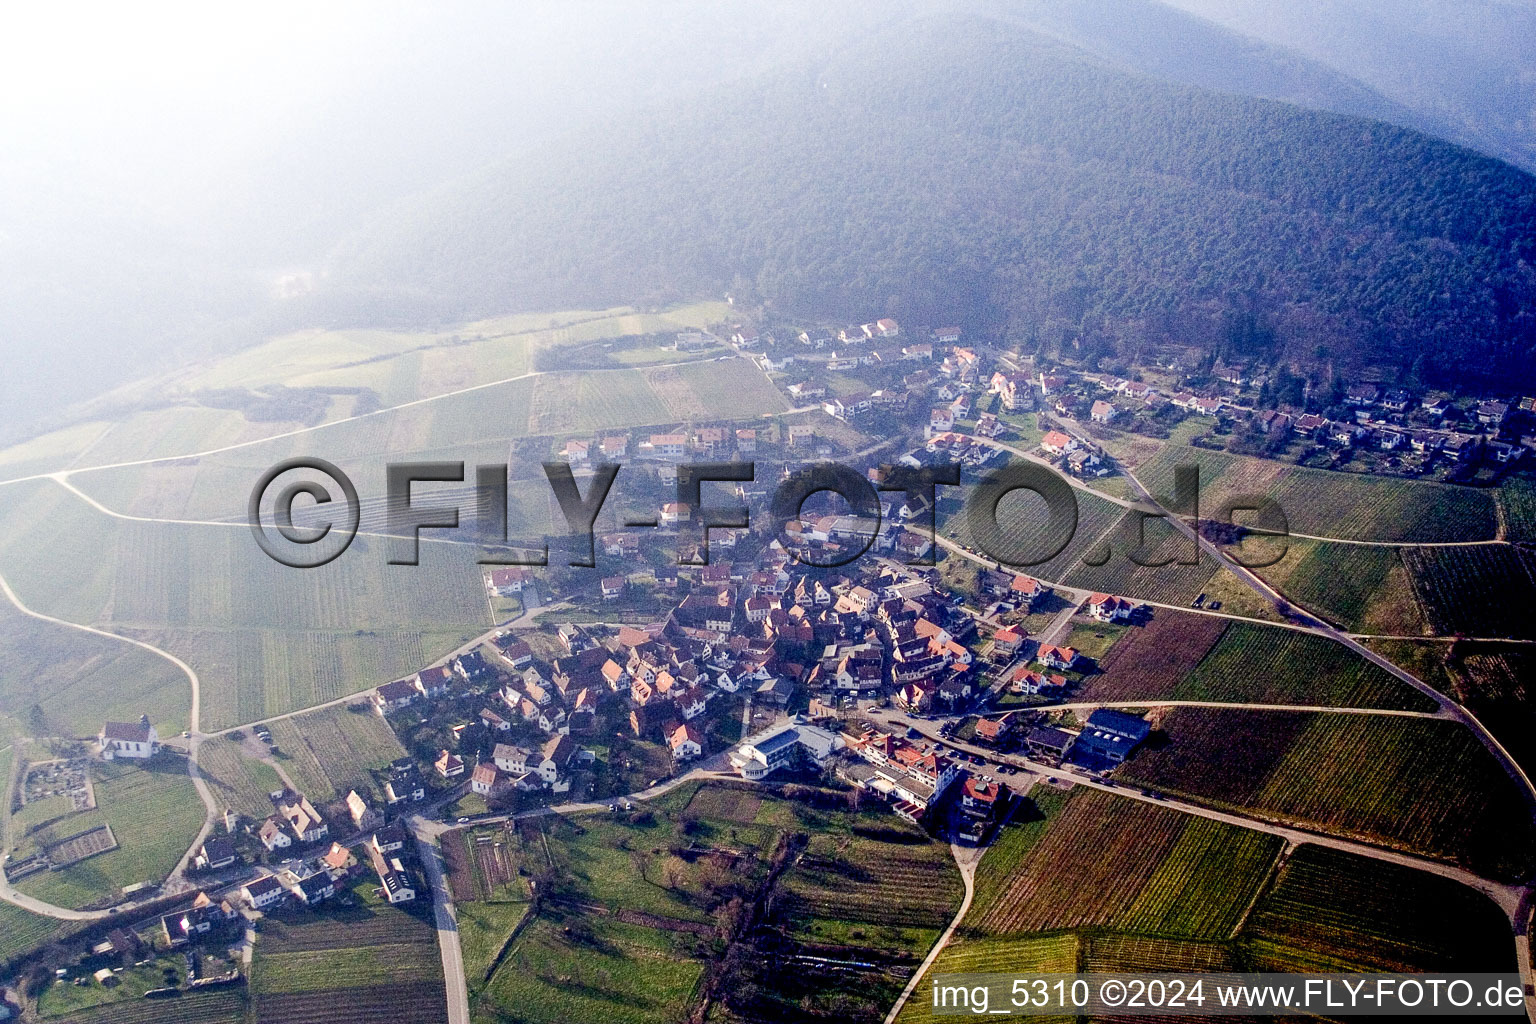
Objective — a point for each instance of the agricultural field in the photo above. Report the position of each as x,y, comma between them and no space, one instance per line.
1052,954
23,932
1517,500
730,389
1494,682
220,1006
349,956
1105,861
1483,591
1149,660
1328,504
1335,911
1209,858
271,627
1426,659
1114,953
154,813
638,905
592,968
1361,588
334,749
487,865
252,674
897,892
239,783
1423,785
1162,574
1022,515
1272,665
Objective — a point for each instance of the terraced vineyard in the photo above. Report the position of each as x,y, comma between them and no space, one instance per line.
1161,574
1204,883
1422,785
239,783
879,883
1270,665
1114,953
333,750
1359,587
1328,504
1335,911
1054,954
223,1006
349,962
1150,660
1477,591
1086,869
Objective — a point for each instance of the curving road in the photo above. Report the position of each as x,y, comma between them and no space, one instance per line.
12,895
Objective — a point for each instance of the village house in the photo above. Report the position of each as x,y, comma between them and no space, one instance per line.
217,853
1057,443
273,834
1063,658
490,781
1102,412
1108,608
508,581
263,893
364,818
393,877
303,820
393,696
1049,743
686,742
449,765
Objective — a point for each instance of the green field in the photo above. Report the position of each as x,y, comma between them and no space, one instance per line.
221,1006
854,891
1334,911
332,750
1361,588
239,783
633,909
1160,574
1270,665
1022,516
607,972
339,960
1482,591
1104,861
1426,786
1328,504
154,812
1052,954
23,932
1517,498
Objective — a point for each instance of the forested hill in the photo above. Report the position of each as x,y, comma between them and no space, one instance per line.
961,168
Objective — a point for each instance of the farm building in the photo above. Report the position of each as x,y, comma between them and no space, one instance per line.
1112,735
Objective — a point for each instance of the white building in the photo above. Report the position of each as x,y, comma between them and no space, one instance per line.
782,746
124,739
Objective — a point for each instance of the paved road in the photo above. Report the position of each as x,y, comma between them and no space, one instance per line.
447,920
1152,702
